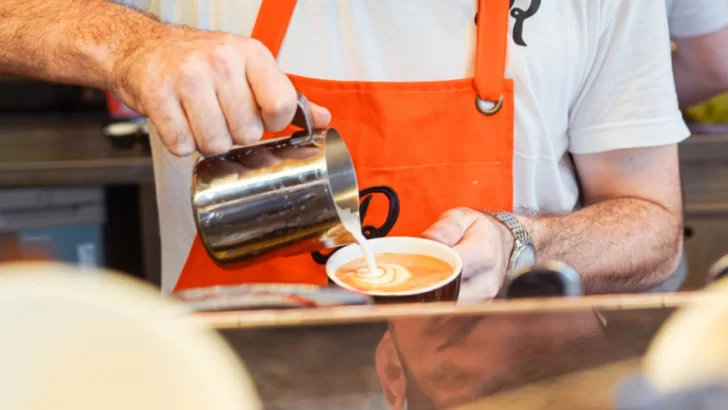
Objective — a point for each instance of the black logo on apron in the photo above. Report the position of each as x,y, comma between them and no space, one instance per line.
520,16
369,231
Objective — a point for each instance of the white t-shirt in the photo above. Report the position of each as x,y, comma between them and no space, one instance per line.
691,18
593,76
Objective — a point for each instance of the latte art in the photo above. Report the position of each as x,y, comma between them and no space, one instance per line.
395,273
386,276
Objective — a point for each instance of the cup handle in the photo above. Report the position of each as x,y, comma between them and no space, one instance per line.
303,117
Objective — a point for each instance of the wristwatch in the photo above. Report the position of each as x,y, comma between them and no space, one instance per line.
524,253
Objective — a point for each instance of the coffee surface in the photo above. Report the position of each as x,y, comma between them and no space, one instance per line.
396,272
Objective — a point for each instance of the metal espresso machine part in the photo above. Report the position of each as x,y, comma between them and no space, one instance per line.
545,279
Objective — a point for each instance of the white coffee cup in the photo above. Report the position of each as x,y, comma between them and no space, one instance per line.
447,289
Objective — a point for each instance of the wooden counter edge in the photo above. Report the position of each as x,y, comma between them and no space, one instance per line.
363,314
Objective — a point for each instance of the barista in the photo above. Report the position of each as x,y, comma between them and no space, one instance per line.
456,107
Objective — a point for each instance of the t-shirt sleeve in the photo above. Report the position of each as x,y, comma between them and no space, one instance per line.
692,18
628,97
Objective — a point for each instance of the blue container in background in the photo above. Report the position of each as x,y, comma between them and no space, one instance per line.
62,224
80,244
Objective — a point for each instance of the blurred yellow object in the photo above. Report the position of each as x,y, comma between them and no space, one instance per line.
692,347
714,111
75,339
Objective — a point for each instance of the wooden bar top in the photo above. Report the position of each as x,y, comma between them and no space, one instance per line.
347,315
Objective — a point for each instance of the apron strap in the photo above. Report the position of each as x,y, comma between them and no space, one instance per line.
491,45
272,23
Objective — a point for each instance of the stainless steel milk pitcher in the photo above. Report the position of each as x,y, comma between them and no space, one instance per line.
278,197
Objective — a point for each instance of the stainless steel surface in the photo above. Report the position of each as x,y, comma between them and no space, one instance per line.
279,197
528,354
500,358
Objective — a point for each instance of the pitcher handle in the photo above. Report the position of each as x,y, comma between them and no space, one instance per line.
303,117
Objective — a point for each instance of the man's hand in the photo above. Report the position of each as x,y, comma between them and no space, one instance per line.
207,91
203,91
484,245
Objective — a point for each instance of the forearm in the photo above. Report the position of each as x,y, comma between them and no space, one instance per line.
618,245
693,86
69,41
700,67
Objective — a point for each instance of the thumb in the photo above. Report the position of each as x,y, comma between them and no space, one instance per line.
321,116
451,226
476,253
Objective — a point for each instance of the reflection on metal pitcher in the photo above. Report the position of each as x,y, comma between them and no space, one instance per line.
276,198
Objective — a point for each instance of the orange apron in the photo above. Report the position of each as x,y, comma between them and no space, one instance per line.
420,148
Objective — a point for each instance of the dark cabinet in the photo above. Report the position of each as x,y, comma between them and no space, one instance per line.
704,168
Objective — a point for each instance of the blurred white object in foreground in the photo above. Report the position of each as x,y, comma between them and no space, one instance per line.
691,349
80,341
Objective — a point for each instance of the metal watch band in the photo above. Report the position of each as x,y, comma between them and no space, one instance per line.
515,226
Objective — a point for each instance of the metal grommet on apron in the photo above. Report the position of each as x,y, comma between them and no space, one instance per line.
488,107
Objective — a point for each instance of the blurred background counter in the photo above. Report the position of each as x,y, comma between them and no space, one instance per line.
704,169
66,189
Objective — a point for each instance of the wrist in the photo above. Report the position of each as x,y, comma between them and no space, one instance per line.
139,37
507,241
532,226
518,246
95,38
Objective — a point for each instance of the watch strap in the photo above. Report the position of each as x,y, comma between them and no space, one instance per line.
520,233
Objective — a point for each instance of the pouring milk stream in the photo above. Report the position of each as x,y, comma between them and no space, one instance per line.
351,222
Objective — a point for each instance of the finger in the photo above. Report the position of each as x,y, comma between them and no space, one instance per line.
451,226
479,288
272,89
321,116
207,121
171,123
474,290
236,100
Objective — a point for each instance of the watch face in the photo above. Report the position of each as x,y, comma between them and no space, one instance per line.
525,256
